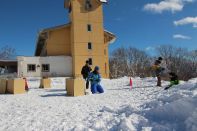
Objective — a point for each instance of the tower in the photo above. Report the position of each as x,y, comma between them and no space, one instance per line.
87,35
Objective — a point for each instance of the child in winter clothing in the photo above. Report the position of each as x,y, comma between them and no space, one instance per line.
174,80
158,70
95,80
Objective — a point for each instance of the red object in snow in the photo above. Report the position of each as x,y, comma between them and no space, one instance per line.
131,83
26,85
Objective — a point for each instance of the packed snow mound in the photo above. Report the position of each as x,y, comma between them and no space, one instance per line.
173,110
172,115
145,107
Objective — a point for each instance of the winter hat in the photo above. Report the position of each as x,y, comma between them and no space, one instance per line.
96,68
160,58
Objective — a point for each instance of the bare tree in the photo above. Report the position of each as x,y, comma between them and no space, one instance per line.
179,60
138,61
134,62
128,62
7,52
193,63
118,63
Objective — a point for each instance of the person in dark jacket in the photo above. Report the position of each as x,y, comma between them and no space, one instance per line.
174,80
158,70
95,79
85,73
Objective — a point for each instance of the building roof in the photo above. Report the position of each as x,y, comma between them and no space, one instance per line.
42,36
8,62
55,27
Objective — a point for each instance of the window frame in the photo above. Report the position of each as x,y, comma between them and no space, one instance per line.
88,5
90,61
89,27
89,45
43,68
29,67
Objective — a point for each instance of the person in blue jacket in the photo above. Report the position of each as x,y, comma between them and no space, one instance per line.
95,79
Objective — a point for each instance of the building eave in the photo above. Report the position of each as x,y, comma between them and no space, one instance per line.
8,62
113,36
55,27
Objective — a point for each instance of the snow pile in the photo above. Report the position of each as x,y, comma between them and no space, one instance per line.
175,109
145,107
173,115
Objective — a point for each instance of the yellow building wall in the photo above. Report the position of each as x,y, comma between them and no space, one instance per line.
78,10
80,37
73,40
58,42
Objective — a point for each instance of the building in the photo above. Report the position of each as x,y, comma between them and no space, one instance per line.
83,38
50,66
8,67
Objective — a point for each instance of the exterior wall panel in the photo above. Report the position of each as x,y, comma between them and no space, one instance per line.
80,36
59,66
58,42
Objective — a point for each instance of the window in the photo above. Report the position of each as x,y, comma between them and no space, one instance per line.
89,45
70,9
90,61
89,27
31,68
88,5
45,68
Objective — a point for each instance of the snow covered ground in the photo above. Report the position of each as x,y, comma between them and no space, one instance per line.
144,108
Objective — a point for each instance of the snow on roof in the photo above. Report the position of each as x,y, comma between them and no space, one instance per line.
103,1
8,60
114,36
109,32
66,2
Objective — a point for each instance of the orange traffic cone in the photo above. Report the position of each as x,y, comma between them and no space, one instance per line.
26,85
131,83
